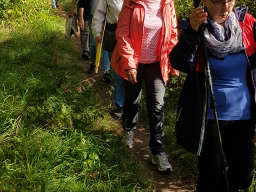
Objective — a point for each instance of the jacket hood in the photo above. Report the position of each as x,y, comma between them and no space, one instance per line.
240,13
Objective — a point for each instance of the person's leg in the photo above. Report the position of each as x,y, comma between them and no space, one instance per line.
155,90
118,89
107,77
130,112
118,92
131,105
238,146
53,4
210,162
239,150
93,47
84,38
106,59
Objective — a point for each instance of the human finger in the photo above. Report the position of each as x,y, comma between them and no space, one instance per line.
81,25
97,40
197,17
132,75
71,14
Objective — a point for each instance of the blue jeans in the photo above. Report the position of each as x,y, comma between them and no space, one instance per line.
118,93
93,48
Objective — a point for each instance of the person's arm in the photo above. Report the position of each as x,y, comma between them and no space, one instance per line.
182,56
253,20
254,30
71,11
98,19
125,45
174,33
81,18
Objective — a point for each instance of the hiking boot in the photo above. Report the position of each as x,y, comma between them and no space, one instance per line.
118,112
107,77
128,137
86,55
91,70
161,160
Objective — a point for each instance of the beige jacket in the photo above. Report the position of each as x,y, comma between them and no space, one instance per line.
115,7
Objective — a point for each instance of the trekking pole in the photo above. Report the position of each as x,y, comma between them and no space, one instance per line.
99,47
213,104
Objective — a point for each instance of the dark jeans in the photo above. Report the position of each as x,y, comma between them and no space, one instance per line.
155,90
238,146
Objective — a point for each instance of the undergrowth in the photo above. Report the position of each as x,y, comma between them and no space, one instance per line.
54,136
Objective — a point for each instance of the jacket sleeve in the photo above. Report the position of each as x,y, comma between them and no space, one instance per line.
125,47
174,32
99,17
182,56
254,28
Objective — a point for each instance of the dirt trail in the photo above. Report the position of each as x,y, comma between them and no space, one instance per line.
177,181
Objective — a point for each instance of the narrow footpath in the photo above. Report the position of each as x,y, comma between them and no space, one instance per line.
178,180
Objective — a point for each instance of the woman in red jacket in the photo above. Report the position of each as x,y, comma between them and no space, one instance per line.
146,33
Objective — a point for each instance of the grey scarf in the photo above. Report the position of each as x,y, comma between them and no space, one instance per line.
225,40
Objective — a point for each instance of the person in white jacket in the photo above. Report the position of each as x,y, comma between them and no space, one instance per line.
114,7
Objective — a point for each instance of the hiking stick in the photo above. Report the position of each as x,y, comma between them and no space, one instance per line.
99,47
213,104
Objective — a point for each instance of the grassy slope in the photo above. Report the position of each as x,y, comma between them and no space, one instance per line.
43,97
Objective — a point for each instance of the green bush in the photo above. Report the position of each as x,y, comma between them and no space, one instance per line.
11,9
184,7
250,4
54,136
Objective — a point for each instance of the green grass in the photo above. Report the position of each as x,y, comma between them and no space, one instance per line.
54,135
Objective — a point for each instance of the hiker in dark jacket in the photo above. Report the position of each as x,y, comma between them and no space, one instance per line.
230,35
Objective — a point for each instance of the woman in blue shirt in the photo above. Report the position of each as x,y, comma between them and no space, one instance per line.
230,35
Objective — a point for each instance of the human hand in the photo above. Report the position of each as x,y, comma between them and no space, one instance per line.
81,24
71,13
98,40
132,75
197,17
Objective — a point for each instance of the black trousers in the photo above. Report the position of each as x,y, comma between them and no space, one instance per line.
238,146
155,90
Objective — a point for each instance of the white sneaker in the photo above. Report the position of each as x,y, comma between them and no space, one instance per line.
161,160
128,138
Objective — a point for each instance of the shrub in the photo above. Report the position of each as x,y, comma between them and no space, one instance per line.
184,7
